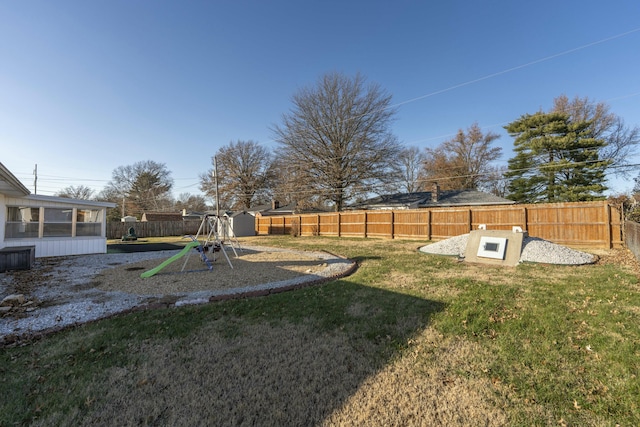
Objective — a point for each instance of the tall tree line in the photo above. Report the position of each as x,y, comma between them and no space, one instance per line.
336,146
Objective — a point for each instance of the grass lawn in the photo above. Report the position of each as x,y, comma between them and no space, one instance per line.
409,339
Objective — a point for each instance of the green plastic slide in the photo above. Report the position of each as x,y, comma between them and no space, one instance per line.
177,256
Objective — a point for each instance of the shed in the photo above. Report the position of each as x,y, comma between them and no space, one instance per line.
242,223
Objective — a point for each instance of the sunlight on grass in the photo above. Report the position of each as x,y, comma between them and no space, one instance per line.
408,337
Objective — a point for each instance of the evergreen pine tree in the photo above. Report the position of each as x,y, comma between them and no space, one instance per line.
556,160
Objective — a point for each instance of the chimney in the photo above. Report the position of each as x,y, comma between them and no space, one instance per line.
275,204
435,192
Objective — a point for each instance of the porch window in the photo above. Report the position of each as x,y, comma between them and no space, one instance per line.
89,222
57,222
22,222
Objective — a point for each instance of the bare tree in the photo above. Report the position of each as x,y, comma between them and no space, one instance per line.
109,194
336,141
288,187
140,187
411,169
463,162
495,182
621,141
244,173
190,202
80,192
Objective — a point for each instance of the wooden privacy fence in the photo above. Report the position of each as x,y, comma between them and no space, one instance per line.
581,224
115,230
632,237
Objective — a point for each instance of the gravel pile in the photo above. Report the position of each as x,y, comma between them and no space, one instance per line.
66,292
533,250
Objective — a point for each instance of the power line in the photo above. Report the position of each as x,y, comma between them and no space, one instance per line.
519,67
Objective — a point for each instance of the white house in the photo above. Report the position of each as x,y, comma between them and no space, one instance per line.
55,226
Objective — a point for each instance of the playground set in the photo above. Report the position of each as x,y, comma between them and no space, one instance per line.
214,231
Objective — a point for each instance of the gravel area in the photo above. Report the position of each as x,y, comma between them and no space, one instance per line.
61,292
533,250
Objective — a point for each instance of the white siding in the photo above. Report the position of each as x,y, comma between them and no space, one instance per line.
64,246
52,246
3,219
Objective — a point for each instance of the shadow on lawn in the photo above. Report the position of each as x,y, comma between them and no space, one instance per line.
288,359
292,358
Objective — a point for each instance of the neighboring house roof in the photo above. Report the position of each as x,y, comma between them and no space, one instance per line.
10,185
161,216
394,201
426,199
261,208
237,214
466,198
269,209
290,209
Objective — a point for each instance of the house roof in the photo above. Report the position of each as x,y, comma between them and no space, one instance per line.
291,208
267,209
423,199
398,200
10,185
466,198
237,214
162,216
75,202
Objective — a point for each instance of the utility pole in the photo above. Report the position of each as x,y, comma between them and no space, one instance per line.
215,178
35,180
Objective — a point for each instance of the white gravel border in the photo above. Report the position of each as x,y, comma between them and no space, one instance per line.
534,249
67,300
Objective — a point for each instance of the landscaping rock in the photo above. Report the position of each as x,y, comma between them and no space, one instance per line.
13,300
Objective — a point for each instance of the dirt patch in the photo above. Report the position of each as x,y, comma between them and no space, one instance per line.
191,274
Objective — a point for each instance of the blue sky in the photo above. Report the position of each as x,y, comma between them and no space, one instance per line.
86,87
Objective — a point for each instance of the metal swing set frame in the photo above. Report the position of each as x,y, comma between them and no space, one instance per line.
218,231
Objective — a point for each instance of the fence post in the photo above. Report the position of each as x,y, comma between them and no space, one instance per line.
525,219
365,223
393,221
469,220
339,224
608,236
429,224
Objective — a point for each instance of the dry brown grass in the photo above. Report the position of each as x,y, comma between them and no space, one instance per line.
272,367
443,388
292,375
264,375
